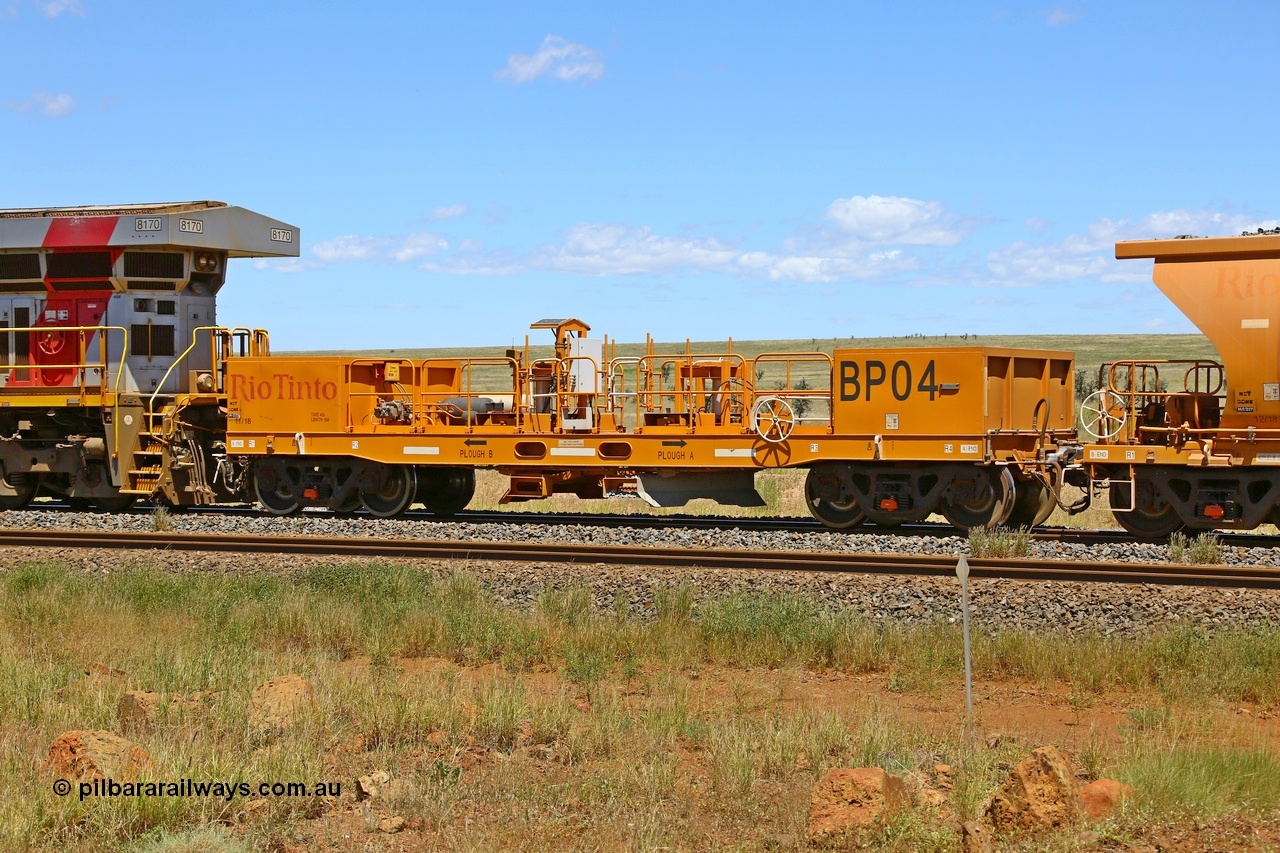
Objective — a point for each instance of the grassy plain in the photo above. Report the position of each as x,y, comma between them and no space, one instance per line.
562,726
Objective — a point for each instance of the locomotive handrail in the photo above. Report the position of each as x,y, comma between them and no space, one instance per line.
83,365
195,334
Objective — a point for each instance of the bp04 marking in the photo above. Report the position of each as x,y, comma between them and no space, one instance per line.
858,381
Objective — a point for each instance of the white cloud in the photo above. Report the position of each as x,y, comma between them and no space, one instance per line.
1092,254
401,249
55,105
1059,18
622,250
49,8
865,244
892,220
451,211
54,8
558,58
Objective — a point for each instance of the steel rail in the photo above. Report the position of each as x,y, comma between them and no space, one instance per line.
1166,574
922,529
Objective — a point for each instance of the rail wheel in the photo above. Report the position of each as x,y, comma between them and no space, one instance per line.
974,501
1151,519
1033,503
16,495
275,491
350,505
446,491
836,515
388,490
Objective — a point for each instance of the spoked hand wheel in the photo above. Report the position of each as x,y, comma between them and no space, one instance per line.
773,419
1103,413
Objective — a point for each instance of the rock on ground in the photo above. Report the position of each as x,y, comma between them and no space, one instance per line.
140,710
1039,794
277,704
84,755
849,799
1100,798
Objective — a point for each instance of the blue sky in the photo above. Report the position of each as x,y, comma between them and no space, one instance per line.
693,170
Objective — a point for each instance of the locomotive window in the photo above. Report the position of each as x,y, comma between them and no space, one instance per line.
166,306
142,306
151,340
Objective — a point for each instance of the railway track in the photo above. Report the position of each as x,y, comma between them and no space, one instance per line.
1168,574
702,522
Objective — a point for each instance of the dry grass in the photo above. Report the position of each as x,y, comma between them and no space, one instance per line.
590,728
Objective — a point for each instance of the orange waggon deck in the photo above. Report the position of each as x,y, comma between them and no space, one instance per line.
680,411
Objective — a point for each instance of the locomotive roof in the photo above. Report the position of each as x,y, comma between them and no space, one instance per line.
109,209
239,232
1263,244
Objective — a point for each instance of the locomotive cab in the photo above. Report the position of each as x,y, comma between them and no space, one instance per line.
107,320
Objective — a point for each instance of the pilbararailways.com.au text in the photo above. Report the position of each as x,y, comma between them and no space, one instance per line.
192,788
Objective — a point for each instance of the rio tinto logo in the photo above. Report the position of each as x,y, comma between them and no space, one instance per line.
280,386
1247,283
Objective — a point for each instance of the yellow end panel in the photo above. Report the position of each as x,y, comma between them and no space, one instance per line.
909,391
965,391
290,395
1236,303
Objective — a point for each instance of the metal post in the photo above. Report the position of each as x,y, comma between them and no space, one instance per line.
962,572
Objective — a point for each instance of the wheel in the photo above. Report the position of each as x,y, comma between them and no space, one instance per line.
1033,503
833,514
446,491
976,501
391,491
274,490
1103,413
17,495
1150,520
773,419
350,505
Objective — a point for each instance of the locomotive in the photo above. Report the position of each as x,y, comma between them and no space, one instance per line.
116,383
110,350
